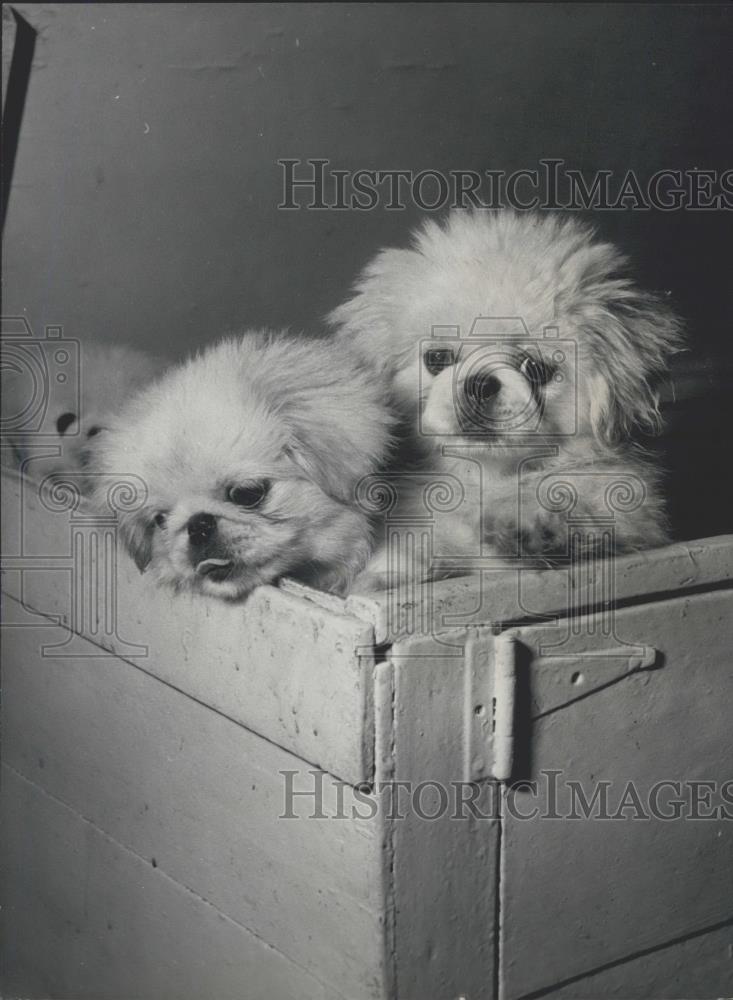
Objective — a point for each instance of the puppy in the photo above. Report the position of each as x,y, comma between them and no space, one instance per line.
77,409
244,461
522,358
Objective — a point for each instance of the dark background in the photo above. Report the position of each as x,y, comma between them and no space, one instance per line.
145,194
146,188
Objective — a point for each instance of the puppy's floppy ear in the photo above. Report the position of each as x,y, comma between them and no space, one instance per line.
125,496
333,414
323,463
338,441
633,335
137,534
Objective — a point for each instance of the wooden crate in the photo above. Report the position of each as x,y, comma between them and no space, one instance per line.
150,850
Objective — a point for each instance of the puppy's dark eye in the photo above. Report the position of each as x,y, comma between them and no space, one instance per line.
249,496
64,422
160,519
535,370
93,431
437,359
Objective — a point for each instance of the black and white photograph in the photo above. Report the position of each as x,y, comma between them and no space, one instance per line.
367,501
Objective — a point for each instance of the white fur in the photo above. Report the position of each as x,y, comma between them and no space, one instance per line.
555,277
298,413
108,376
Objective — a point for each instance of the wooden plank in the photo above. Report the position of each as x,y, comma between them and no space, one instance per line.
677,970
444,869
174,781
86,919
295,672
583,893
512,595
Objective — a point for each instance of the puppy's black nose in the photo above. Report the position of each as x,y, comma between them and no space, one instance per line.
480,387
201,528
64,422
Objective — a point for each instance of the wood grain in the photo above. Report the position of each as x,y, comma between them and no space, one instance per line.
86,919
202,799
295,672
583,893
444,869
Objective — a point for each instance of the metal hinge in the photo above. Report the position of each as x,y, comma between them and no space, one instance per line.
554,681
490,694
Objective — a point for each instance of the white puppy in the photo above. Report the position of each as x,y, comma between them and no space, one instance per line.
245,460
76,408
523,358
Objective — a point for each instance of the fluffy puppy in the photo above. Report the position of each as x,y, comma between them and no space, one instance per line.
523,358
244,461
77,409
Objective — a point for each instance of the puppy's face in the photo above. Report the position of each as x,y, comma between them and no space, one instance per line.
235,519
501,390
77,436
64,447
230,506
75,412
238,478
583,368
